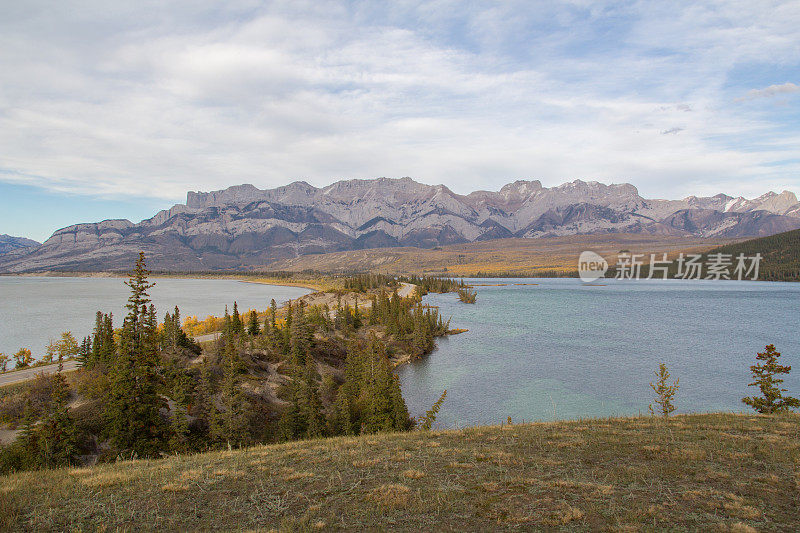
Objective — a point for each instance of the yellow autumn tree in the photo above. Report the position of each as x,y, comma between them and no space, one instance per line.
23,357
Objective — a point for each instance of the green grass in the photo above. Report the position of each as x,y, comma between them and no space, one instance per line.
694,472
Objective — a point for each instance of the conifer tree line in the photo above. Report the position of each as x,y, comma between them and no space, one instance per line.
147,388
425,284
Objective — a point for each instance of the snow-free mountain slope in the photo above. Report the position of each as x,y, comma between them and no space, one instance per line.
243,226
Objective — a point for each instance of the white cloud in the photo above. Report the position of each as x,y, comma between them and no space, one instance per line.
772,90
157,101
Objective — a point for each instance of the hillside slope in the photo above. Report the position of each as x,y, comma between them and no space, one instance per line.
530,257
697,472
780,255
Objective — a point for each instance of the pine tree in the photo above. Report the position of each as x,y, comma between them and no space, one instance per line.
85,352
254,327
168,333
291,425
236,320
312,403
29,438
341,420
103,343
57,438
301,337
203,401
273,313
177,328
235,417
133,421
179,429
772,399
372,390
287,327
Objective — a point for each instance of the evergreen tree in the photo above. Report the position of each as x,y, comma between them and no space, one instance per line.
373,391
133,421
236,321
254,327
287,327
273,313
340,421
85,352
103,344
315,422
291,424
203,405
29,438
177,328
57,439
235,417
301,337
179,429
168,333
772,399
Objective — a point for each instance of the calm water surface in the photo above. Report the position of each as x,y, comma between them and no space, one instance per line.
561,349
32,310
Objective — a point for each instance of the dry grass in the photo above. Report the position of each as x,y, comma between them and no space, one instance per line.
720,472
523,256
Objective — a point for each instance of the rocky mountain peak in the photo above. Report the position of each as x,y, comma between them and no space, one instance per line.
243,225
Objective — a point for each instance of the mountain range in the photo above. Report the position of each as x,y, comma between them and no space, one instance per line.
243,227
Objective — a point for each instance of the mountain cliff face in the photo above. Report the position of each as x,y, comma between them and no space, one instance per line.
243,226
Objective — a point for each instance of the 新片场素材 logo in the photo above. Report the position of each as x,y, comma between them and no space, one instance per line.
712,266
591,266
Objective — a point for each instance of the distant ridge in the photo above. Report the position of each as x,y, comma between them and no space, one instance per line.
244,227
10,244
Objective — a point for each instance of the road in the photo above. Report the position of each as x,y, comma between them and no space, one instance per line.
406,290
18,376
207,337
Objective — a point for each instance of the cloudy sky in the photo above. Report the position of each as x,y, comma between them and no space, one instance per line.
116,111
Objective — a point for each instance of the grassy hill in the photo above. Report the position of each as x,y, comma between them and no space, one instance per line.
707,472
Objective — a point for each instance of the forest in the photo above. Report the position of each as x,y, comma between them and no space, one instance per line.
145,388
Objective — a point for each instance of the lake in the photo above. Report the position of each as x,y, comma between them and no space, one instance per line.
564,350
35,309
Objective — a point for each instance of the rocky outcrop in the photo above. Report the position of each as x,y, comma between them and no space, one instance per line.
245,227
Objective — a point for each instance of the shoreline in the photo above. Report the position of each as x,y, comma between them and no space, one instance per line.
243,277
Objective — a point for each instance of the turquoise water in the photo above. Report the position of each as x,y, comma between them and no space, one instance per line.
563,350
35,309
